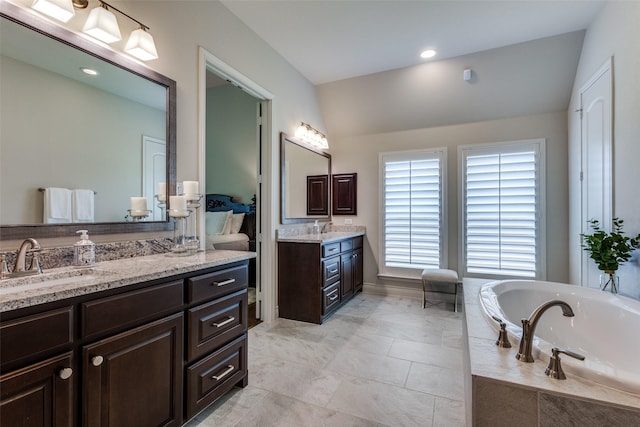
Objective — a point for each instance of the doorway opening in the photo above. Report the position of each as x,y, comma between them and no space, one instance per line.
235,124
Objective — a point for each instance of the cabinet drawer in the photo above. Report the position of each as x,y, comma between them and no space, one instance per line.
357,242
330,297
130,308
212,377
330,270
330,249
36,335
215,323
218,283
346,245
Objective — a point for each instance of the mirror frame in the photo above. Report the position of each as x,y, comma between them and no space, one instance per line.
284,138
30,20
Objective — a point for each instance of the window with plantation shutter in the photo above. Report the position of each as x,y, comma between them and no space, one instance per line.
503,189
412,209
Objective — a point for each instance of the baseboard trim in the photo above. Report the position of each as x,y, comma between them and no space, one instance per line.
409,291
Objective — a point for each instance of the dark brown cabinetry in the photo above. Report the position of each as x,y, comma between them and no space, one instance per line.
150,354
315,279
135,378
41,394
344,189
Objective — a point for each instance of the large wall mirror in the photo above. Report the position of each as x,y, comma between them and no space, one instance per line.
113,133
301,170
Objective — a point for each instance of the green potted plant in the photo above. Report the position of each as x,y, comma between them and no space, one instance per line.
609,250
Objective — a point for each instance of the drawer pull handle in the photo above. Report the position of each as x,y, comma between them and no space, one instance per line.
333,271
333,249
97,360
65,373
225,282
226,322
333,297
230,369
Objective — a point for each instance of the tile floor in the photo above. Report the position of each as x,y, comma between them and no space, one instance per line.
379,361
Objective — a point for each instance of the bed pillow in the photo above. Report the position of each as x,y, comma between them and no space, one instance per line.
236,223
216,222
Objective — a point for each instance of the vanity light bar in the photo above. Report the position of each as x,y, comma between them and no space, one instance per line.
102,25
310,136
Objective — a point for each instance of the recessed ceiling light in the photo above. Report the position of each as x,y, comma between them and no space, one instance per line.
89,71
429,53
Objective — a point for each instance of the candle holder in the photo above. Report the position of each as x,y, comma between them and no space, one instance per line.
193,203
161,200
180,246
137,214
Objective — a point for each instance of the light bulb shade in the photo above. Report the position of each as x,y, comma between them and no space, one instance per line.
141,45
102,25
62,10
301,131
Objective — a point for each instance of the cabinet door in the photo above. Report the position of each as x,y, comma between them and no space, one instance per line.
358,267
346,278
135,378
39,395
345,194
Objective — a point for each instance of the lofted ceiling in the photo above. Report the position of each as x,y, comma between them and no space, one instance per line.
330,40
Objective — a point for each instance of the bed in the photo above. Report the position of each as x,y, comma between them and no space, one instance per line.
229,225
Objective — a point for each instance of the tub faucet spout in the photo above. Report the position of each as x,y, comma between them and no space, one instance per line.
529,328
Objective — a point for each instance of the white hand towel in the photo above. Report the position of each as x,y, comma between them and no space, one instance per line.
82,206
57,205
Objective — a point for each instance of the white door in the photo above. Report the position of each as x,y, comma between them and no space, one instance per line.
154,171
597,179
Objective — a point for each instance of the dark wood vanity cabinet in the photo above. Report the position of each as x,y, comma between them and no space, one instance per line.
38,377
135,378
315,279
151,354
40,394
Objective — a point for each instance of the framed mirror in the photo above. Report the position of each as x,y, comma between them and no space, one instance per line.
304,182
113,133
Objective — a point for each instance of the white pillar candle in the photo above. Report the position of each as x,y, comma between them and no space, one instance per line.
190,187
138,203
162,191
178,204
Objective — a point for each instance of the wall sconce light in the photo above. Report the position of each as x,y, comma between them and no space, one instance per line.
102,25
310,136
62,10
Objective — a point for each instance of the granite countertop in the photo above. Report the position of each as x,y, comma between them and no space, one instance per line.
328,237
61,283
490,361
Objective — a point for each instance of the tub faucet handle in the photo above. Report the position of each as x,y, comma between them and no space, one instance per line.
554,370
503,339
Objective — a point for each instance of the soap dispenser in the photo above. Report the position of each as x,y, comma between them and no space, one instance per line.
316,227
84,250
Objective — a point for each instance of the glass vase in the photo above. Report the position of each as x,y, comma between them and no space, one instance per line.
609,279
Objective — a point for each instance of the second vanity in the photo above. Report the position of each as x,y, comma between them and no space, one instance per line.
318,273
142,341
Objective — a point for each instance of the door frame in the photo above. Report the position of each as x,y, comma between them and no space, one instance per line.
265,234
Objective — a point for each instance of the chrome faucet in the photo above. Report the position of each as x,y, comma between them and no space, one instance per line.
20,266
324,227
529,327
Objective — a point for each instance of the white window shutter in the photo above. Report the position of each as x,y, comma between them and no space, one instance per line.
412,203
501,197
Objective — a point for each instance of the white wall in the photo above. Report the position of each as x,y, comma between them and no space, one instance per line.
360,154
614,33
527,78
232,150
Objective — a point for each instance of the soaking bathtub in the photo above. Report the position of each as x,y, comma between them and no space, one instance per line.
605,328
